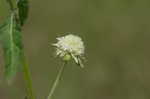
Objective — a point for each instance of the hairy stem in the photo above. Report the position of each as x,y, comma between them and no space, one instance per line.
27,77
56,82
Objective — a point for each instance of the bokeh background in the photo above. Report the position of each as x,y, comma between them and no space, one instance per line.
116,35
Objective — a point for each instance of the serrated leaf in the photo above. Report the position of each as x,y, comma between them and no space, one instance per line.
10,37
23,7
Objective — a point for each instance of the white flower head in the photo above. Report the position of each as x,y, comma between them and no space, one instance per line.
70,47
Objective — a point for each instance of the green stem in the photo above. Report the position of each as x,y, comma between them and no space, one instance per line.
58,77
27,77
11,5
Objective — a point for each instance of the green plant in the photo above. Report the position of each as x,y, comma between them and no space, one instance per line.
67,48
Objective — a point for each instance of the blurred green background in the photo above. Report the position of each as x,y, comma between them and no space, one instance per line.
116,35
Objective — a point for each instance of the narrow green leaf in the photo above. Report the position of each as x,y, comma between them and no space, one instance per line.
23,7
10,37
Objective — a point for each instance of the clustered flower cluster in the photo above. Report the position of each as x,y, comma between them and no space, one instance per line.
70,47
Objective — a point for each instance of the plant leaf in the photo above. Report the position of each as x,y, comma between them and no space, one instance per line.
10,37
23,7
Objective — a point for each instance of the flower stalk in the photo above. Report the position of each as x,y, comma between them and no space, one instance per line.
56,82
